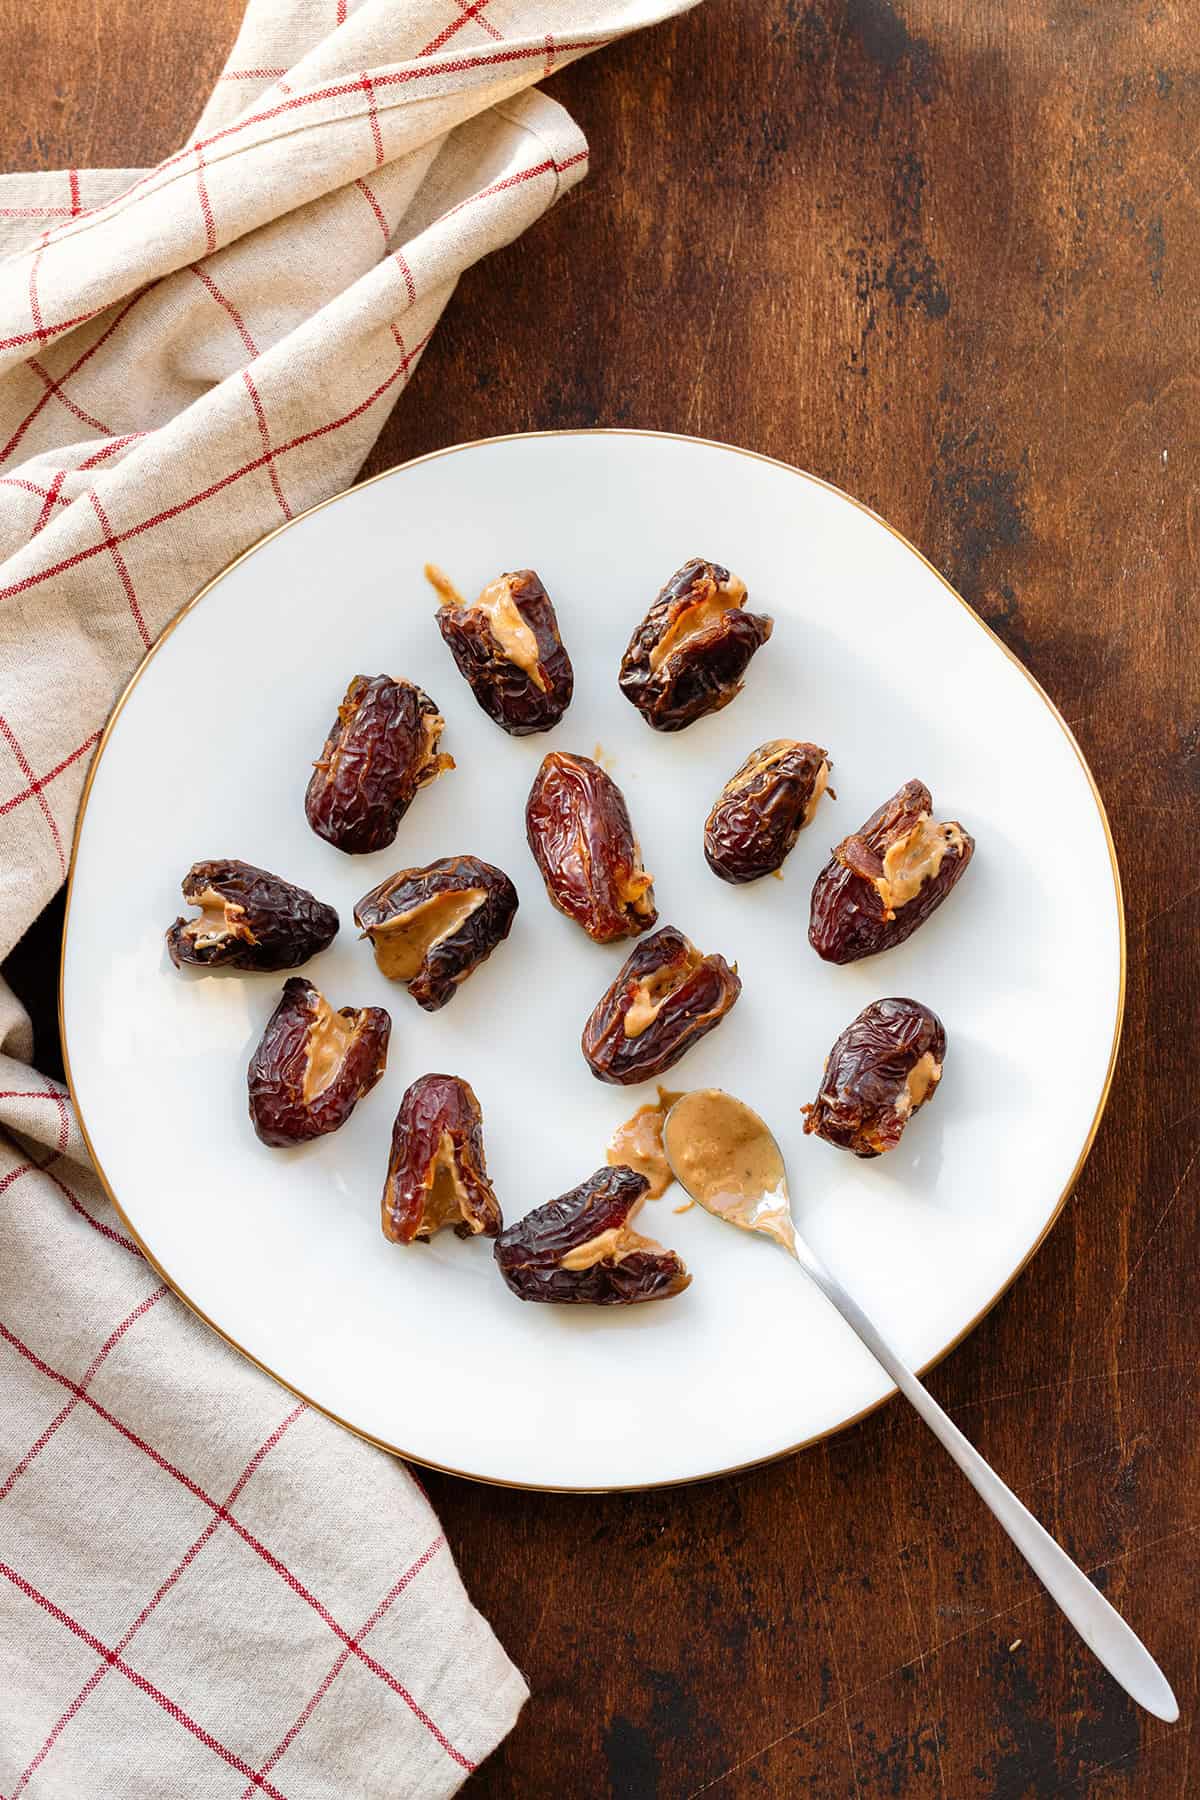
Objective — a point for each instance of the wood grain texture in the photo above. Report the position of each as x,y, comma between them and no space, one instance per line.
946,256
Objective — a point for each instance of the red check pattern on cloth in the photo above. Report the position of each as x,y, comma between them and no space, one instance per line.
205,1587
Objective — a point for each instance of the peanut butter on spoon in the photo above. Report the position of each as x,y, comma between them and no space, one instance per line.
727,1159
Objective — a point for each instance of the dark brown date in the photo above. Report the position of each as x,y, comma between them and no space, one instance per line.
665,999
248,919
581,1248
884,1067
437,1174
313,1065
763,808
885,881
508,650
431,927
690,652
578,828
381,749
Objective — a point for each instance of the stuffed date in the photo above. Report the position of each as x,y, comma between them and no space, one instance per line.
248,919
381,750
578,828
437,1174
313,1065
581,1248
690,652
886,880
508,650
431,927
763,808
885,1065
666,997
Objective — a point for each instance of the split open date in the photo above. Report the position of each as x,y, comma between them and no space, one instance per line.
665,998
690,653
582,1248
313,1065
884,1067
578,829
381,750
437,1173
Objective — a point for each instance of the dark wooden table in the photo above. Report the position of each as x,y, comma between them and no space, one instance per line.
945,255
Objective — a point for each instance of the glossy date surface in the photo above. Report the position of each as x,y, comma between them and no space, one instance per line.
313,1065
581,1248
763,807
381,750
431,927
579,831
437,1173
884,881
665,998
248,919
690,652
509,650
882,1069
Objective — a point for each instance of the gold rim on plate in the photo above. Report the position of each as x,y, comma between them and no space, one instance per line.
1039,690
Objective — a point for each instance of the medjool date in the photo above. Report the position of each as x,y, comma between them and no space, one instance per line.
437,1175
690,652
885,1065
578,828
763,808
508,650
666,997
313,1065
431,927
248,919
886,880
381,750
581,1248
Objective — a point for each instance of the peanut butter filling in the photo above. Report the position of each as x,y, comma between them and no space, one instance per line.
638,1144
402,944
435,762
819,786
610,1246
651,994
329,1041
447,1203
636,890
919,1083
218,919
518,645
913,860
712,602
727,1159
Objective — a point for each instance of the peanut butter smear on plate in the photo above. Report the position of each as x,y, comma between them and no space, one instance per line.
638,1144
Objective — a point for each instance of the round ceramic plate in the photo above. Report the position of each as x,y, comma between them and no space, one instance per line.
873,656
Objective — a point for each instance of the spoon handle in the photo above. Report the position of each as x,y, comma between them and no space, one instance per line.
1102,1629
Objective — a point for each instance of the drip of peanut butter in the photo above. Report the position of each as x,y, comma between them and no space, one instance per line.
518,645
711,605
638,1144
402,944
329,1041
727,1159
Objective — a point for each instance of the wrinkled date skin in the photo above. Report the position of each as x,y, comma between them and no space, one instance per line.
883,1068
313,1065
581,1250
508,650
886,880
248,919
690,652
579,831
437,1174
665,999
431,927
763,808
381,749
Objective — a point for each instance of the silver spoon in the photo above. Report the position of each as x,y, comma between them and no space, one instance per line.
727,1159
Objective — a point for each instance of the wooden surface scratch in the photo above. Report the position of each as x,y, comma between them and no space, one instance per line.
946,256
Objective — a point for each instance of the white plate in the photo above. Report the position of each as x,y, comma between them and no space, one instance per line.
873,656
